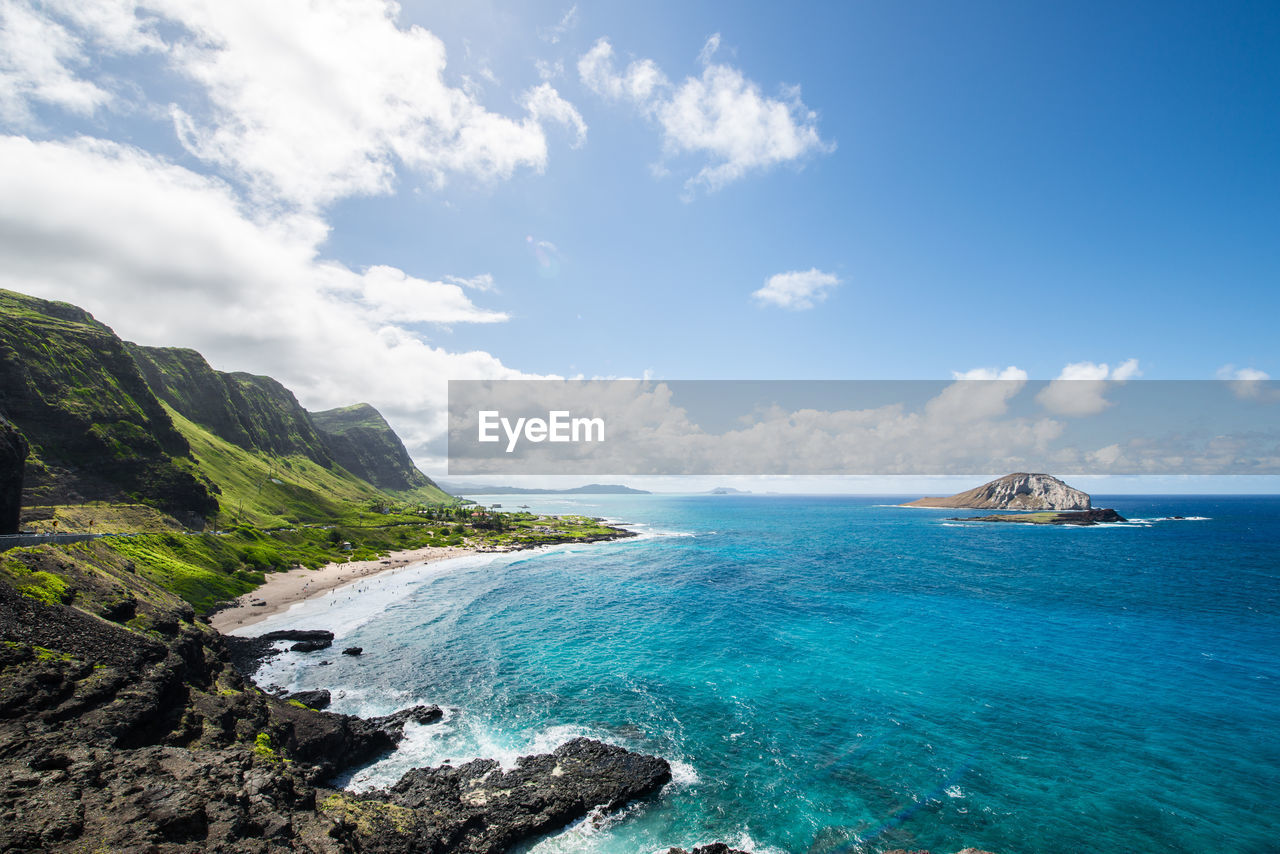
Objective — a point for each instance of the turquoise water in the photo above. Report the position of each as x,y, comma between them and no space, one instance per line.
833,675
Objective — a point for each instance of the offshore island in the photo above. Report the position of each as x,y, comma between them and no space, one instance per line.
1049,500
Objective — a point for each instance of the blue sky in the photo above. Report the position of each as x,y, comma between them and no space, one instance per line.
365,200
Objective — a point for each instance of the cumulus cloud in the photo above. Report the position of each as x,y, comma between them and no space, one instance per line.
1250,383
169,257
307,102
1081,387
39,60
796,290
638,83
720,116
1011,373
976,395
322,100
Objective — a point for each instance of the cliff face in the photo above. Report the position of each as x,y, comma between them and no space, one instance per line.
256,413
364,444
13,457
1018,491
95,429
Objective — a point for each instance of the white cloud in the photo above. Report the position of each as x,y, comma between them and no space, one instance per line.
482,282
721,115
323,100
1249,383
1010,373
796,290
544,103
554,33
308,101
1079,390
1127,370
38,57
169,257
638,83
977,394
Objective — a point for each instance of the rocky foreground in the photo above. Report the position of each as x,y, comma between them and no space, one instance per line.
115,737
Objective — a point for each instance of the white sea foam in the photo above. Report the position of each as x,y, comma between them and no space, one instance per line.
1155,519
347,608
583,834
683,774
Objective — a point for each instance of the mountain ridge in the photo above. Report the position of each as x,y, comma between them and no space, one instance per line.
112,422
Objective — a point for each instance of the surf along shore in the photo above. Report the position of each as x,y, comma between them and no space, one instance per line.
283,590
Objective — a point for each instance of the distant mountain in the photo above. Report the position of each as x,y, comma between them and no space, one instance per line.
464,488
121,423
364,444
728,490
1018,491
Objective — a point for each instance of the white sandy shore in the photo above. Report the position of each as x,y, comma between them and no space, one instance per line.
285,589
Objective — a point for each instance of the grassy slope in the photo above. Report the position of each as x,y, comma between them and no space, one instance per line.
364,442
205,569
270,492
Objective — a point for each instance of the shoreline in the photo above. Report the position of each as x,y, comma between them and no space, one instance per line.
283,590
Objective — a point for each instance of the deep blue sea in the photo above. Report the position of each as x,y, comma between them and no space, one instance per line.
830,674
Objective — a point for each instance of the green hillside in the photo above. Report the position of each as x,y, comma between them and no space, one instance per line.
275,491
95,429
364,444
116,428
256,413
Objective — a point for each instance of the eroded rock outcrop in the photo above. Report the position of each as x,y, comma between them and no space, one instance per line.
478,808
1017,491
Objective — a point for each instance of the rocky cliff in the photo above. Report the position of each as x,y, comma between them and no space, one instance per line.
124,424
13,458
257,413
1018,491
95,429
364,444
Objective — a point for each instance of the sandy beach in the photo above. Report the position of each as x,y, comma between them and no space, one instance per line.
284,589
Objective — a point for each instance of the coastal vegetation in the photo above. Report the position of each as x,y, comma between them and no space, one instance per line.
195,485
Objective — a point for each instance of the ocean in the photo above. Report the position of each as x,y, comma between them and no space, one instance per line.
834,674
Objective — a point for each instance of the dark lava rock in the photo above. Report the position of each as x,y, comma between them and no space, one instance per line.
353,650
713,848
1067,517
121,610
311,646
13,459
248,654
478,808
297,635
311,699
331,743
